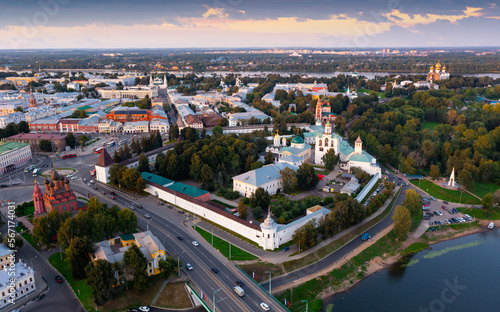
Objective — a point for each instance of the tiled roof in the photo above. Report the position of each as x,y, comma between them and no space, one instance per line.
104,159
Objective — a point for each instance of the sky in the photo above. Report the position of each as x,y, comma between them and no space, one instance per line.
112,24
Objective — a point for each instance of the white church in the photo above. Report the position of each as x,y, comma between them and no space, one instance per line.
349,157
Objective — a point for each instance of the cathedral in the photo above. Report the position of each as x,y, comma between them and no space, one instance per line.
58,195
324,112
437,73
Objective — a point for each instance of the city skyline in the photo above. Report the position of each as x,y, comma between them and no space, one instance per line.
240,24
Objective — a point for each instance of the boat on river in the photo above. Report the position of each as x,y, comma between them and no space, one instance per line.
491,226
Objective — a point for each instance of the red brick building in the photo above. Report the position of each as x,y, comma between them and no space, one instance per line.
69,125
58,141
58,195
129,115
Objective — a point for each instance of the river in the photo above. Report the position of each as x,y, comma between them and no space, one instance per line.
460,275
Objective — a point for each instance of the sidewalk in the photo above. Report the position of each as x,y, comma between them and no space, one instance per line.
222,199
280,256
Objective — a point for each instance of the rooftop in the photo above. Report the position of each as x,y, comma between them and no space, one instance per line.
264,174
7,147
105,159
187,189
156,179
37,136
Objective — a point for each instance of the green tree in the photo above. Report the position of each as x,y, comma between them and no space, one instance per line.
487,201
100,277
143,163
173,133
465,177
67,231
242,210
79,256
307,178
45,146
402,222
82,139
137,265
23,127
259,201
126,221
408,166
256,165
412,202
167,267
330,159
207,176
41,231
434,172
269,159
305,237
289,178
116,172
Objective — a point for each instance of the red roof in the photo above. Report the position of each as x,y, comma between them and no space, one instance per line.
37,136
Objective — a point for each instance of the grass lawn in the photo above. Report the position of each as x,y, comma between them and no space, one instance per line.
85,293
481,189
260,269
223,247
446,194
174,296
222,203
484,214
385,245
430,125
27,236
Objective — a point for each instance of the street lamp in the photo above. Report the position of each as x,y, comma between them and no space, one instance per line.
269,281
307,304
178,264
213,299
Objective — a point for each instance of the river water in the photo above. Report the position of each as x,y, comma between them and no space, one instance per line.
456,275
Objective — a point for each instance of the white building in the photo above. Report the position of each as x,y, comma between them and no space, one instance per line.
73,85
13,155
5,253
349,157
24,284
160,125
267,177
136,127
243,118
108,126
16,118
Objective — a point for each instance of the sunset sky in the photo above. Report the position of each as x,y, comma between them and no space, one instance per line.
34,24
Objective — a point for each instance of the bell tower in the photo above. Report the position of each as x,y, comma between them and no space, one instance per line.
38,200
358,146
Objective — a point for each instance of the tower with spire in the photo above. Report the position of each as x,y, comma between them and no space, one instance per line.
358,145
32,100
38,199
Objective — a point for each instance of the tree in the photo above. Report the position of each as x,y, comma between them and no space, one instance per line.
412,202
137,264
330,159
434,172
126,221
173,133
79,256
23,127
167,267
259,201
487,201
269,159
115,173
305,237
100,277
408,166
402,222
45,146
67,231
143,163
242,210
256,165
307,178
41,231
496,197
207,176
289,178
82,139
18,241
465,177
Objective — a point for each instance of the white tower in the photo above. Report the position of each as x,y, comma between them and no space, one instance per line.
358,146
283,141
276,139
328,128
165,84
451,182
269,230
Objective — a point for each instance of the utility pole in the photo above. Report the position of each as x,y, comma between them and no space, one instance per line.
212,237
307,304
178,265
229,251
269,281
213,299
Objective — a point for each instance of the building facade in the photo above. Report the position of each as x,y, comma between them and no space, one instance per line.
437,73
13,155
16,286
267,177
58,141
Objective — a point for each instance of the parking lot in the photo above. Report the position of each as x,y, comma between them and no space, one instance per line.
437,213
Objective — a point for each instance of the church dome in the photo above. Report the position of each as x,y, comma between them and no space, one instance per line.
46,181
66,180
55,175
298,140
51,184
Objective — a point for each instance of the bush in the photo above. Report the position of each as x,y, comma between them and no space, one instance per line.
25,209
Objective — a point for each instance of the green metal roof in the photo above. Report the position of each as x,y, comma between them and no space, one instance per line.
363,157
298,140
7,147
84,107
127,237
187,189
156,178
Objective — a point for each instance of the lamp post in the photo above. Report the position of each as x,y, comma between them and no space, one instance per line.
269,281
307,304
213,298
212,237
178,264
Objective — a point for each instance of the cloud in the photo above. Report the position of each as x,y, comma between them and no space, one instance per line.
406,20
215,12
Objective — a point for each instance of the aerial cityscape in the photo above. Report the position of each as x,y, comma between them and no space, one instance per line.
249,156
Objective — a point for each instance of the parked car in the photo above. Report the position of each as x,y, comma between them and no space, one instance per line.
144,309
286,248
59,279
113,193
195,243
40,297
445,202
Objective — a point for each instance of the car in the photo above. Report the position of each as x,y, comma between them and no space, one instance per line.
265,306
144,309
112,197
445,202
180,237
436,213
195,243
40,297
433,198
59,279
432,229
147,216
189,267
132,207
403,191
91,181
139,206
84,179
88,184
103,193
113,193
239,283
69,175
215,270
439,213
133,310
444,207
431,223
286,248
161,203
74,178
447,221
95,188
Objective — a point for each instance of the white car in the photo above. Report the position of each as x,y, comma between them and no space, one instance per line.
147,216
189,267
264,306
144,309
195,243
